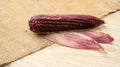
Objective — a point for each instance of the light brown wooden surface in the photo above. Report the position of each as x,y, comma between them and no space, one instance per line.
59,56
17,41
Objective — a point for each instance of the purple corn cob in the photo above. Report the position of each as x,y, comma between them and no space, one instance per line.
51,23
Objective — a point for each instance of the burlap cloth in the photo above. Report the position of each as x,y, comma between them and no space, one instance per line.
16,41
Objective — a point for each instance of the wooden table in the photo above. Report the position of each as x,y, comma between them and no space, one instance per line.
59,56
